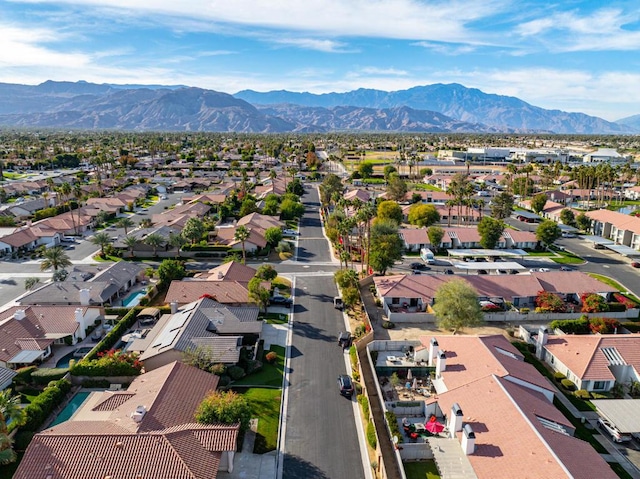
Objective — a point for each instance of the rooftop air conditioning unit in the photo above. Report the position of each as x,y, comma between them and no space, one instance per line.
139,413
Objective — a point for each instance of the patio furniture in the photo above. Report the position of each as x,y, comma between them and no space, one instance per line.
420,427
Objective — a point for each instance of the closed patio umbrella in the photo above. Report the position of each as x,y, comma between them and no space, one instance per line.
409,375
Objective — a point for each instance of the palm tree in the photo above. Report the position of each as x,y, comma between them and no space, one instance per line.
30,283
125,223
130,242
146,223
55,258
77,192
10,410
176,241
242,234
101,239
155,240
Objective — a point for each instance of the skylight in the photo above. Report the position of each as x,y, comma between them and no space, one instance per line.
553,426
613,356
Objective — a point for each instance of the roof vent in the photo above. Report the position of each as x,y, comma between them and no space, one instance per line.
119,444
19,314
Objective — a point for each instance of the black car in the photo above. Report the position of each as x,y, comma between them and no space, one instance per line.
566,268
418,266
448,271
344,339
345,385
482,271
281,301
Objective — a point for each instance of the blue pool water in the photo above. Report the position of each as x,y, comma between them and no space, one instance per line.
133,299
63,362
71,408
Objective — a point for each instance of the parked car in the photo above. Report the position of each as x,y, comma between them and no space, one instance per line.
566,234
616,435
344,339
345,385
448,271
566,268
418,266
338,303
281,301
290,232
635,264
482,271
97,334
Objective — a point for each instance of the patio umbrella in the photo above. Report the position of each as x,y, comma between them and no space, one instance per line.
434,427
409,375
415,383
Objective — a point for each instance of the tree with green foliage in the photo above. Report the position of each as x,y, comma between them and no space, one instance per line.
155,240
177,241
388,170
548,232
346,278
456,306
101,239
396,188
273,235
568,217
390,210
350,297
330,189
194,230
490,231
258,293
241,235
583,222
386,245
126,223
171,269
502,205
10,410
266,272
290,209
130,242
435,234
224,407
365,169
423,215
30,283
538,202
247,207
55,258
296,187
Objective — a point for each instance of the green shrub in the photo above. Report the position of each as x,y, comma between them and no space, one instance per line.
22,439
633,327
44,376
392,421
109,363
525,310
572,326
388,324
558,376
568,384
235,372
43,405
353,355
253,366
364,403
582,394
617,307
271,357
23,375
371,435
360,330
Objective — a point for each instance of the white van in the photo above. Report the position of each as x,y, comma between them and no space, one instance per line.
427,256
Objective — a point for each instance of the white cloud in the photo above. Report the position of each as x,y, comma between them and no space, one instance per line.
446,49
383,71
329,46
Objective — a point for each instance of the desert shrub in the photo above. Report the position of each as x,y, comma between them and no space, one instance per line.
582,394
371,435
572,326
44,376
388,324
558,376
224,381
360,330
593,303
603,325
548,302
109,363
568,384
235,372
253,366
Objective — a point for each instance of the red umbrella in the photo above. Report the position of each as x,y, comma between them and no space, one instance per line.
434,427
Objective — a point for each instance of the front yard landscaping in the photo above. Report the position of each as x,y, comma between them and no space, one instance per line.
421,470
265,406
271,373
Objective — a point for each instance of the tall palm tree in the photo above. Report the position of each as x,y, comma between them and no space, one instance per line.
101,239
54,258
176,241
130,242
78,193
155,240
125,223
10,410
242,234
146,223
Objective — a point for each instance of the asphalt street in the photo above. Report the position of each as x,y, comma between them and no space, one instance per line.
320,439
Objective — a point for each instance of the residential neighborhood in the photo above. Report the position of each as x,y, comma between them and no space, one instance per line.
446,312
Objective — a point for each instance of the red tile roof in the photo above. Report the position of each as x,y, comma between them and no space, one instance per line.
226,292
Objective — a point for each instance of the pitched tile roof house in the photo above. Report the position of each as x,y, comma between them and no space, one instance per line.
231,271
204,322
508,407
257,224
147,431
593,362
621,228
225,292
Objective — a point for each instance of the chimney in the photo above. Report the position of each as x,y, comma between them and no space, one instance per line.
174,307
455,419
139,413
19,314
441,364
85,296
468,441
220,275
541,341
79,316
434,348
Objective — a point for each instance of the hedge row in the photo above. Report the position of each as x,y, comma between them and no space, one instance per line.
23,375
44,404
44,376
198,247
110,340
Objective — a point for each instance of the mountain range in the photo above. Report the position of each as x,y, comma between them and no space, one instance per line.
431,108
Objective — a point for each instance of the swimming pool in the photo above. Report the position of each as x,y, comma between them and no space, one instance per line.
63,362
133,299
71,408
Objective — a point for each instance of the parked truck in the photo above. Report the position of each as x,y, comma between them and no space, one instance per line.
427,256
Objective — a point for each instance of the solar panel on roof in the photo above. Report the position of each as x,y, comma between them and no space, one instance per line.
178,320
166,339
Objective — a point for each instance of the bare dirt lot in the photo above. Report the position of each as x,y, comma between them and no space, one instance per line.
407,331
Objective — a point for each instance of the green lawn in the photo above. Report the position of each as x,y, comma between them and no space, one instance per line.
265,405
606,280
275,318
283,285
421,470
425,187
540,253
270,374
565,257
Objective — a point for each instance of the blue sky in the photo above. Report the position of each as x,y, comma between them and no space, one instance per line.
570,55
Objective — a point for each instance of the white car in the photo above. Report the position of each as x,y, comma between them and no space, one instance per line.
290,232
616,435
